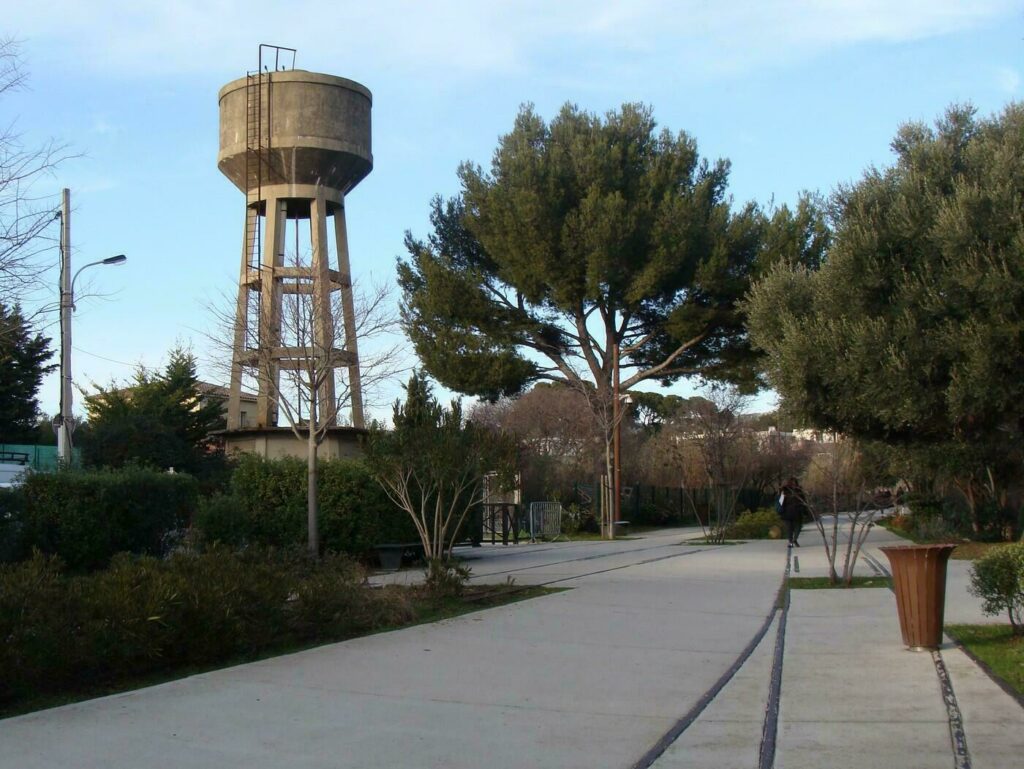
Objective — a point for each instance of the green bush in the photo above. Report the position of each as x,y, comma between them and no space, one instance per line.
38,607
653,514
445,578
756,524
933,529
85,517
924,505
223,518
268,507
145,614
12,502
355,513
998,579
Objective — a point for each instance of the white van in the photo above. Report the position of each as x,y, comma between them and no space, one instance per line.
13,466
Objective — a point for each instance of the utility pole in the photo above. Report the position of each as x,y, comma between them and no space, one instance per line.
65,420
616,511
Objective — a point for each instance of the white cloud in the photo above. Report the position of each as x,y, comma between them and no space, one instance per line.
452,38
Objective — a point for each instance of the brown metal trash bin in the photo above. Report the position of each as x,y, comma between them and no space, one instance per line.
919,580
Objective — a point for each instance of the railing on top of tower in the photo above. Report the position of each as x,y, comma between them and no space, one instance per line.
277,50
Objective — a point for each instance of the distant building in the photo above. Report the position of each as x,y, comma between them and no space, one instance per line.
212,392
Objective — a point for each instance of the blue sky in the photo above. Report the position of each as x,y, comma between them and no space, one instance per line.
801,94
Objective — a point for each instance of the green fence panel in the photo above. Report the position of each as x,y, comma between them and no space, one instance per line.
41,458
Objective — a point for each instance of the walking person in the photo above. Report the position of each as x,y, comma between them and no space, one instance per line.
794,506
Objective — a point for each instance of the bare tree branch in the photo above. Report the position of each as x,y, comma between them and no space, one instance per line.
24,217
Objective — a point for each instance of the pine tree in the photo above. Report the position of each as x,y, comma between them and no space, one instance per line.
592,243
23,356
162,420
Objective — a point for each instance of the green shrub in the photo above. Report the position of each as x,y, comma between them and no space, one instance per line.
573,518
933,528
12,502
998,579
355,513
924,506
145,614
653,514
223,518
273,495
445,578
756,524
268,507
85,517
38,608
332,600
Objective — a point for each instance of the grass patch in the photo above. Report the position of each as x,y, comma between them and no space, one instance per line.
886,524
424,610
822,583
592,536
995,646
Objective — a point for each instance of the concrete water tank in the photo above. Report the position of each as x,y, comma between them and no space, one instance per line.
313,129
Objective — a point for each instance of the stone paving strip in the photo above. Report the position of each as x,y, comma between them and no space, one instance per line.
852,696
727,735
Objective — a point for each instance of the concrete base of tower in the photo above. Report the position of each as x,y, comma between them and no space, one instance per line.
277,442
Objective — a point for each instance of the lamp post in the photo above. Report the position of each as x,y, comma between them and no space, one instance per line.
616,480
65,422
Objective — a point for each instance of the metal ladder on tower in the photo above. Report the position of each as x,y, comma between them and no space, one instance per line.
254,181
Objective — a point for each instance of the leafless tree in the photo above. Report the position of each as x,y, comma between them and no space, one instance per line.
723,442
382,359
559,442
777,456
25,216
841,485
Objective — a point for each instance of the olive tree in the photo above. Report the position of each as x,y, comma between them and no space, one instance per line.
910,331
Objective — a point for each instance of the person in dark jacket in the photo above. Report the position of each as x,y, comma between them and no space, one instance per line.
794,507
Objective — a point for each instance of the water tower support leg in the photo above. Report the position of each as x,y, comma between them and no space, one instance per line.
349,315
325,329
270,315
234,420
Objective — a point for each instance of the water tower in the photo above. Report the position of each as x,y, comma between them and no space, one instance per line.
295,143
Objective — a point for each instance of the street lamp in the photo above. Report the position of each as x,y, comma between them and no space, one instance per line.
65,422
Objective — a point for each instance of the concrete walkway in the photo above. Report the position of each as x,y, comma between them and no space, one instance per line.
649,660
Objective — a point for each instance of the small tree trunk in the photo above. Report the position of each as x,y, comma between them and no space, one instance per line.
312,507
609,514
972,506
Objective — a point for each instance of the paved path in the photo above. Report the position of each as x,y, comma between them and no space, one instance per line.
637,665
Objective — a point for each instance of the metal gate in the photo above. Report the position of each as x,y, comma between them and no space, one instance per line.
546,521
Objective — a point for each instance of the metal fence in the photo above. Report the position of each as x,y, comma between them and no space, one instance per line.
546,521
40,458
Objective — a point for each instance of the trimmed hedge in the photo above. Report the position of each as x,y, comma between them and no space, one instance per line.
85,517
267,507
143,614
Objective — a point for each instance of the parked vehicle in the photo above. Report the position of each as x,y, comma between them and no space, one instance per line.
13,466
